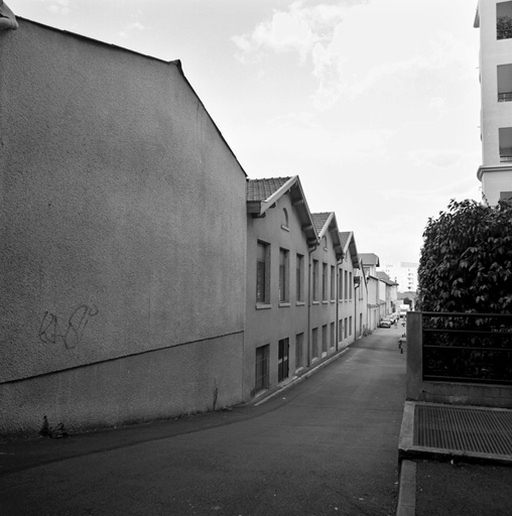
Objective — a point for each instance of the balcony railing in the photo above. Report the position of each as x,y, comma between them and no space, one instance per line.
505,97
461,347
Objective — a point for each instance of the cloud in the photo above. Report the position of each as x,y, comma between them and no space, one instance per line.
131,27
58,6
298,30
354,49
444,158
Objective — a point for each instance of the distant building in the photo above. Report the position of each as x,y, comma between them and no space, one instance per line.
494,19
405,274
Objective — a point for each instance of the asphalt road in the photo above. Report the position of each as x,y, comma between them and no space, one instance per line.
325,446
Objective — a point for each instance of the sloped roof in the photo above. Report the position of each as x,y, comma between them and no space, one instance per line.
320,219
369,259
348,242
385,278
262,189
262,194
326,222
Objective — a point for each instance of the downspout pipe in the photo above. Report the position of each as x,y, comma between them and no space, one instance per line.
311,250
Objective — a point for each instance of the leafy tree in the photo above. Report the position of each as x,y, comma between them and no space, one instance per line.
466,260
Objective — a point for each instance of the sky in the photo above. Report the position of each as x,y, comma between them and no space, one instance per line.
374,104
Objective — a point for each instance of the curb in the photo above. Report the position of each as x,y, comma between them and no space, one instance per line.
407,489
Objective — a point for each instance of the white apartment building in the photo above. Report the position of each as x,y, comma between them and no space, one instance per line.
405,274
494,19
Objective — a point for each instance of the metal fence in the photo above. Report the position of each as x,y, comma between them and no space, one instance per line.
463,347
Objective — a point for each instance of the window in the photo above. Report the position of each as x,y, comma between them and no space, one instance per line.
345,333
299,281
340,330
506,196
505,137
324,339
333,338
324,243
505,83
504,20
350,286
284,224
345,281
350,325
315,280
283,360
333,283
262,368
340,284
263,273
283,276
324,282
314,347
299,350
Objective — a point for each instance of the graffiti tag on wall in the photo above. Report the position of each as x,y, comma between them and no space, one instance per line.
53,330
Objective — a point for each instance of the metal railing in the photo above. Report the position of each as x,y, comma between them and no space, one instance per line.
463,347
505,97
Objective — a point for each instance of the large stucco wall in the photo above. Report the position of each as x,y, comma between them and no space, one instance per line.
123,235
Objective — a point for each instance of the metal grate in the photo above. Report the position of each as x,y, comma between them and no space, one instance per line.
463,429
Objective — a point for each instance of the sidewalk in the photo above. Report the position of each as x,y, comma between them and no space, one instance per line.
455,460
325,446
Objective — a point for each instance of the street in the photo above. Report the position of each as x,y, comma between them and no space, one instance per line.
325,446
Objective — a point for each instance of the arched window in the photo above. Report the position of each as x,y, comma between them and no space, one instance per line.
284,223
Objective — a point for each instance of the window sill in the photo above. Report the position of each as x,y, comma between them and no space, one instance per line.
300,303
325,302
316,302
263,307
286,228
284,305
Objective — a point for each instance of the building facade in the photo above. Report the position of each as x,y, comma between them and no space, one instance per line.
494,21
326,333
123,228
352,320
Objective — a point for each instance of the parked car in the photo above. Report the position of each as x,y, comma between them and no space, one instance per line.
385,323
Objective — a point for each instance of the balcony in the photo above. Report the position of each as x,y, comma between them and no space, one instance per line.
505,97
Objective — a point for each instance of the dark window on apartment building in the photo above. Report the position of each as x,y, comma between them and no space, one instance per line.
299,280
506,197
262,368
505,139
263,273
333,337
283,359
324,338
505,83
504,20
284,276
345,281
